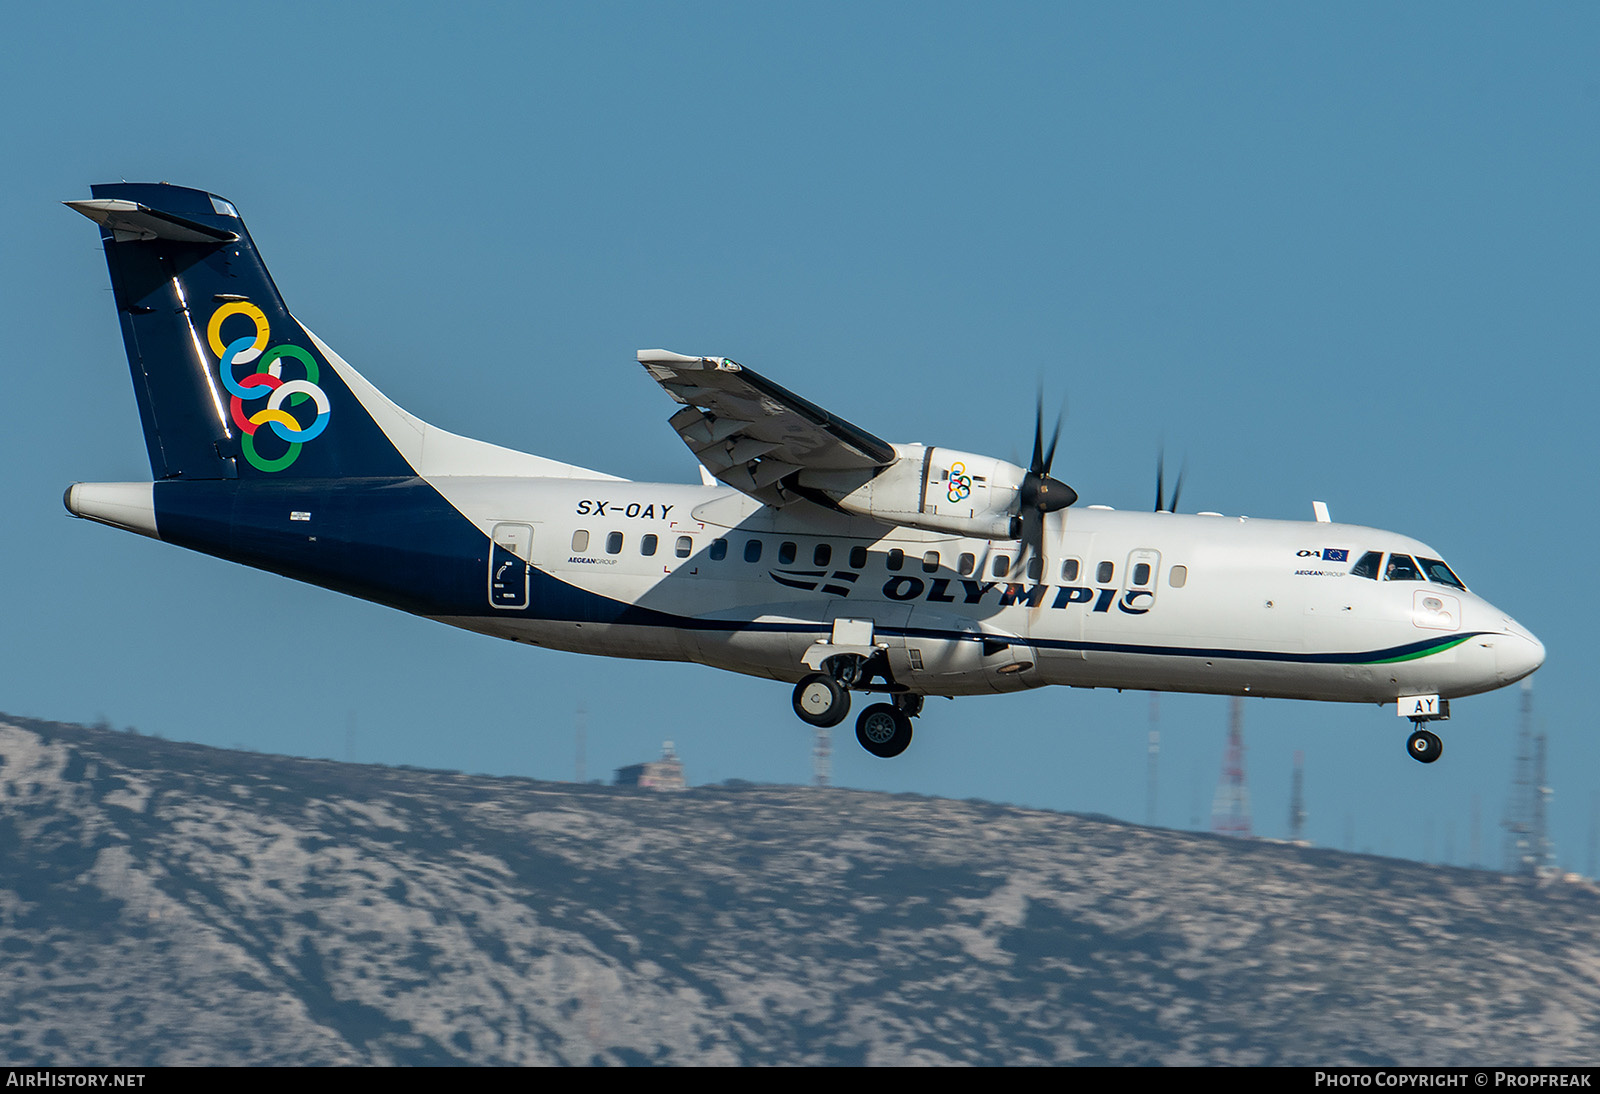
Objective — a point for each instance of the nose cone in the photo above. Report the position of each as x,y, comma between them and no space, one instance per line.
1516,653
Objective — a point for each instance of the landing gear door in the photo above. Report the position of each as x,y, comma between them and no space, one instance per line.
510,566
850,629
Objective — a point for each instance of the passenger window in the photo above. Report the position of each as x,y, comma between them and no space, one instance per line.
1401,568
1141,573
1104,573
1069,570
966,564
1002,565
858,557
647,545
930,562
752,550
1178,577
580,541
1035,568
719,550
1367,567
614,543
684,547
897,559
786,553
821,555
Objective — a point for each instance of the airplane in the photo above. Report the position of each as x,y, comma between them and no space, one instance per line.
812,551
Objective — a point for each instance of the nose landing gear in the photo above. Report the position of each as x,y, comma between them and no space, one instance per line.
1423,744
1425,747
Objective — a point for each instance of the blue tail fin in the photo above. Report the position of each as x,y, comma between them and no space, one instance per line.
229,384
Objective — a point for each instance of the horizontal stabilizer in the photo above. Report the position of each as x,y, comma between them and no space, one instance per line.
130,220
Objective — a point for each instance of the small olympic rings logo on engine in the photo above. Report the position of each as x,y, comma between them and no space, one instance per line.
960,482
267,382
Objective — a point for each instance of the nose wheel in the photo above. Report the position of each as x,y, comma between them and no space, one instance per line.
1425,746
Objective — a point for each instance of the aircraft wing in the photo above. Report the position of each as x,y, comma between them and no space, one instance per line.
750,433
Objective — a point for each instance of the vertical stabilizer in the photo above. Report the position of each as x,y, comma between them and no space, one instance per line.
229,385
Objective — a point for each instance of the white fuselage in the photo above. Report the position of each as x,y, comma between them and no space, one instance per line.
1156,601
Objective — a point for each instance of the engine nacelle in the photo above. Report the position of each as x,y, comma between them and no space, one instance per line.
939,489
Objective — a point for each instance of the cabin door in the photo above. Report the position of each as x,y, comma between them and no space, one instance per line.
510,566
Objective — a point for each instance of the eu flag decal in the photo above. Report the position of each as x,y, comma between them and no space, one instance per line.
1336,554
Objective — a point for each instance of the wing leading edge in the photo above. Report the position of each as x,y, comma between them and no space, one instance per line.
751,433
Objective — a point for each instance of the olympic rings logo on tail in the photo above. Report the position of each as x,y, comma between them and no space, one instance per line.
267,382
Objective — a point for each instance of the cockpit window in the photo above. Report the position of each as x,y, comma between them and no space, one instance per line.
1367,567
1439,573
1402,568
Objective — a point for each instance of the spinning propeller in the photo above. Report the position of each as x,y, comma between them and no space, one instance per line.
1177,487
1040,494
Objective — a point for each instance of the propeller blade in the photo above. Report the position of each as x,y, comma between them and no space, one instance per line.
1043,457
1031,538
1038,433
1039,492
1050,453
1162,504
1177,488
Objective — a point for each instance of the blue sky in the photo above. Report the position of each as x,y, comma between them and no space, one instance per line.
1343,253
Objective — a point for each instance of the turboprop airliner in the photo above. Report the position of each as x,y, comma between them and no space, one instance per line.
811,552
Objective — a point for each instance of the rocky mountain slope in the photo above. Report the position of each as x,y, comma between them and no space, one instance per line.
163,903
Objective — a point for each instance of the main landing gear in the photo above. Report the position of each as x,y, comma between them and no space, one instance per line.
883,730
822,699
